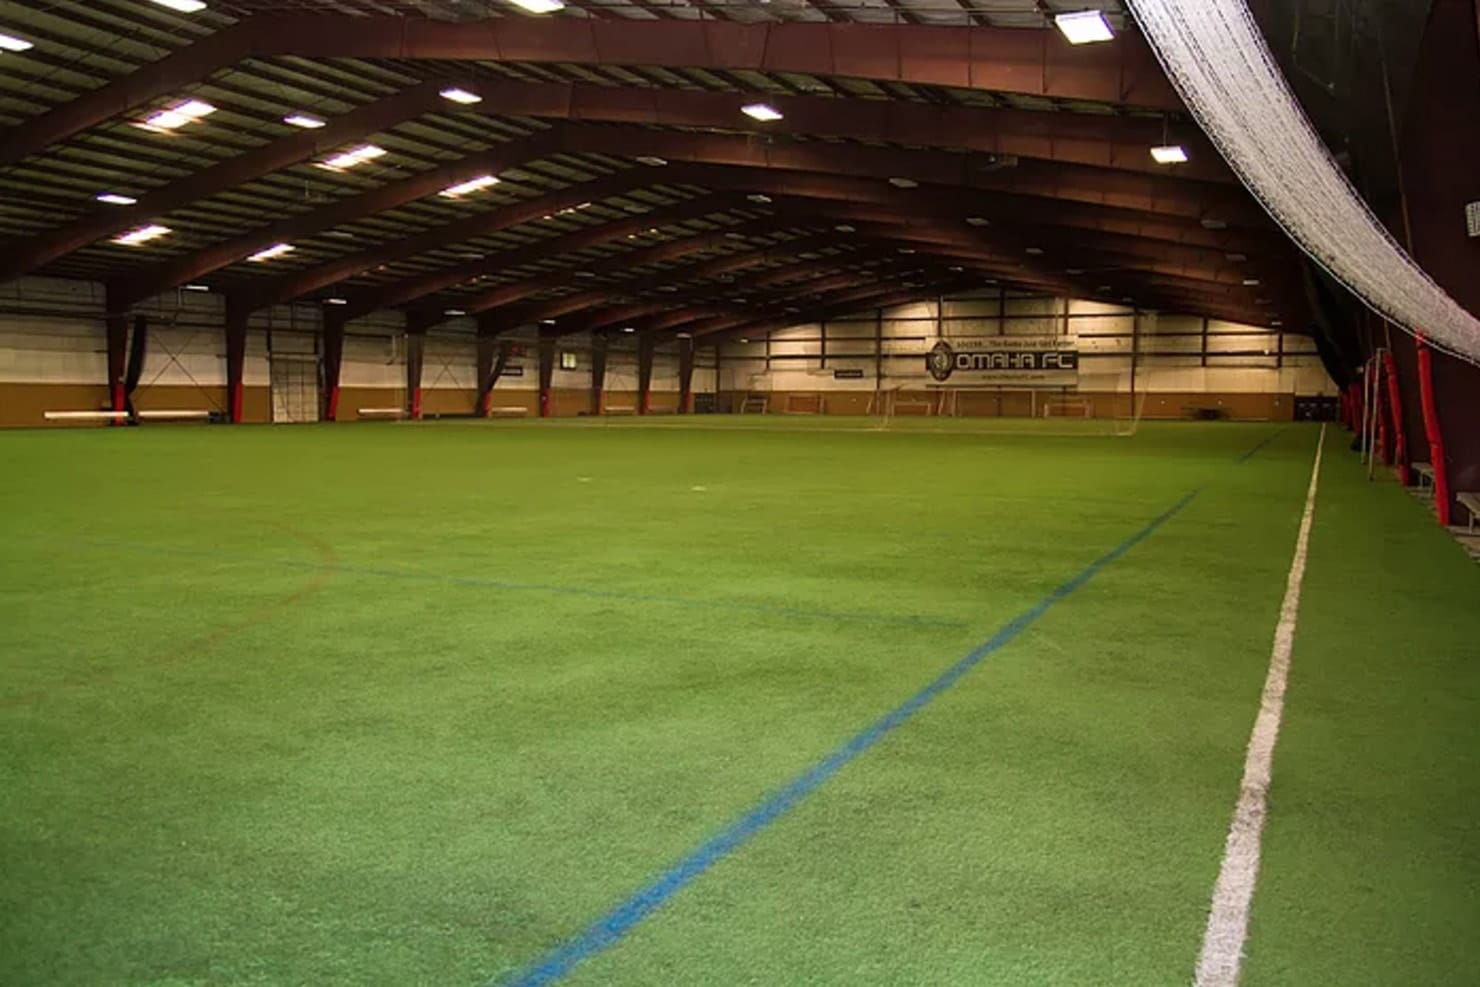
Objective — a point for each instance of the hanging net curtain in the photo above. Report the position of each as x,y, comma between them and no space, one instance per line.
1216,58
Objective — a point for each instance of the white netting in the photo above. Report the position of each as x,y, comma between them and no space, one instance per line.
1217,59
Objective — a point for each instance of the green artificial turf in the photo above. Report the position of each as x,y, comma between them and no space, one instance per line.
401,705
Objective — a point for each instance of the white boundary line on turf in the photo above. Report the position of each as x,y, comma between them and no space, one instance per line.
1221,961
848,430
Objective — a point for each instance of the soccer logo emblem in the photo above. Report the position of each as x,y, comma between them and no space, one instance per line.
941,360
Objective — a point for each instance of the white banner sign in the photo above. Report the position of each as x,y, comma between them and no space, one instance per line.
1023,361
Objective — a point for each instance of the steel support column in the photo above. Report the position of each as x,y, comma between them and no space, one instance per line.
483,366
547,371
646,345
416,342
116,325
236,357
600,344
334,321
685,374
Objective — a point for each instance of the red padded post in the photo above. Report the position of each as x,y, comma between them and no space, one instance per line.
1395,412
1431,429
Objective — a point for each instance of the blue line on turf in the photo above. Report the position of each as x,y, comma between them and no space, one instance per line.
609,929
1260,445
913,620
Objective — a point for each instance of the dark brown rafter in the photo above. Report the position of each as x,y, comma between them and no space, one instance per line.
1076,186
410,290
19,258
1029,62
1154,194
1121,143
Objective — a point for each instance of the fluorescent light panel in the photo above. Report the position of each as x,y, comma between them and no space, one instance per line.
336,301
114,199
177,116
539,6
183,6
763,112
469,187
462,96
276,250
1083,27
11,43
454,312
1169,154
197,287
357,156
143,234
303,120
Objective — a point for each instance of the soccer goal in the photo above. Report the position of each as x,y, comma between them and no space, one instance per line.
1066,407
803,403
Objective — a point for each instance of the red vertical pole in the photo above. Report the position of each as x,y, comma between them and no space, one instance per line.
1431,429
1395,411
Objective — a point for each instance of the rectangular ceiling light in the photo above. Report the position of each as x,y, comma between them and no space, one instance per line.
142,235
651,160
1084,27
276,250
454,312
461,96
114,199
1169,154
764,112
197,287
10,43
469,187
183,6
177,116
349,159
904,183
539,6
303,120
336,301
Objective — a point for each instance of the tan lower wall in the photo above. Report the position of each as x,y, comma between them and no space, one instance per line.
26,404
448,401
1021,404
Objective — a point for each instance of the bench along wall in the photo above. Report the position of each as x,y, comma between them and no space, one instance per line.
1174,364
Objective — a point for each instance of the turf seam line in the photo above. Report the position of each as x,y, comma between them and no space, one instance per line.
611,927
914,620
1221,959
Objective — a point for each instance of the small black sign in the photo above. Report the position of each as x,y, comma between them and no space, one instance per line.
513,371
854,373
